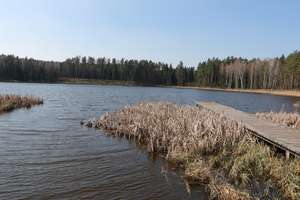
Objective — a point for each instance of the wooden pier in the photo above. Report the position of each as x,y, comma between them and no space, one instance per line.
286,139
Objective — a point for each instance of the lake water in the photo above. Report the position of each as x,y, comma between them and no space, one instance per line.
46,154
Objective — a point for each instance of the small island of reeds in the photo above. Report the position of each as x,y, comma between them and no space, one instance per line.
211,149
11,102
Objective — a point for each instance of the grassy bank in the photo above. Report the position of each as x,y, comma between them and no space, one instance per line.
11,102
211,149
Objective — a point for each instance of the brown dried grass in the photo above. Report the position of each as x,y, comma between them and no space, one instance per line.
211,149
11,102
291,120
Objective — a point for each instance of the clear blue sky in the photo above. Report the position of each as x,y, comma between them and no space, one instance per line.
164,30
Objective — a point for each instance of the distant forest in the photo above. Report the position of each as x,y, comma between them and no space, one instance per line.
231,72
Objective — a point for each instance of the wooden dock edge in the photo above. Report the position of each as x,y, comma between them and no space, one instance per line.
245,118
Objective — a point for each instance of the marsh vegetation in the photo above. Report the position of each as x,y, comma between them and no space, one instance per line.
286,119
11,102
211,149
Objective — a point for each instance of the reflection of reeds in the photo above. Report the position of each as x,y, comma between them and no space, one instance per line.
282,118
11,102
209,147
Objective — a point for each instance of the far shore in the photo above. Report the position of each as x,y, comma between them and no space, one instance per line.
96,82
278,92
293,93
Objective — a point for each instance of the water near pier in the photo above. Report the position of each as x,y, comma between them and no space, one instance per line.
45,153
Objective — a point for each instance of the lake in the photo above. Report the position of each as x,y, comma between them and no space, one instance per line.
46,154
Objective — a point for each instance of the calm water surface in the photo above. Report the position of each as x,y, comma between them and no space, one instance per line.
46,154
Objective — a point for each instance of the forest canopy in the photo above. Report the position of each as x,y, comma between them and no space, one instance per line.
231,72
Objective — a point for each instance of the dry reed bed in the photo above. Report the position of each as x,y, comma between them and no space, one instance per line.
210,148
286,119
11,102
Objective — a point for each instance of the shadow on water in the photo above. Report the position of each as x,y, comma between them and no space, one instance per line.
45,153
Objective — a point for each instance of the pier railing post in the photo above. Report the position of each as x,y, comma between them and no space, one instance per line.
287,154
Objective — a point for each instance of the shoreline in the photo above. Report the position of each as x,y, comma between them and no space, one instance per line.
95,82
276,92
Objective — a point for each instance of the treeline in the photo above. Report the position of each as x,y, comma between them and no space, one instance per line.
231,72
142,72
276,73
139,71
18,69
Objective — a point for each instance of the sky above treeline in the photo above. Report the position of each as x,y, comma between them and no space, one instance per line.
160,30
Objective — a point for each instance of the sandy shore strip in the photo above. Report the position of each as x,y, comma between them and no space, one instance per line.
293,93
